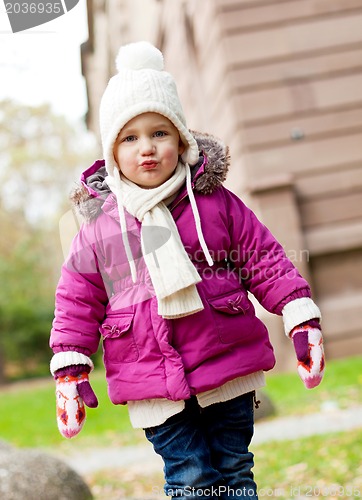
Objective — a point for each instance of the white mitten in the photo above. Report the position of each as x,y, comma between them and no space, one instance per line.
73,390
308,344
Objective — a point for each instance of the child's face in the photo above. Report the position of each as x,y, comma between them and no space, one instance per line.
147,150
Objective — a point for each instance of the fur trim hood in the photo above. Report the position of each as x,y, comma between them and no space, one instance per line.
89,196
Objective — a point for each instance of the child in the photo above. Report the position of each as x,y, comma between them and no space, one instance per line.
161,270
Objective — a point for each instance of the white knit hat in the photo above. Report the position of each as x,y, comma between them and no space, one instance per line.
141,86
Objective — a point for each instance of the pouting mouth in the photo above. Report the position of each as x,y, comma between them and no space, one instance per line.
149,164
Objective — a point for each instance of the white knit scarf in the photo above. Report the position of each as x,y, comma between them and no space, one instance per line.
172,273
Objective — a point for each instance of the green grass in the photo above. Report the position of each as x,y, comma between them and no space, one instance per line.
326,466
341,386
27,415
27,418
117,484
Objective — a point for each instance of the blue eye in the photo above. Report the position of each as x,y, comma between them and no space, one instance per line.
129,138
160,133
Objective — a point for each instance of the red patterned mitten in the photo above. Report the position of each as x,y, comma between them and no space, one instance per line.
73,390
308,344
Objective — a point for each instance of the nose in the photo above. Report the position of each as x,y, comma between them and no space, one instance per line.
146,146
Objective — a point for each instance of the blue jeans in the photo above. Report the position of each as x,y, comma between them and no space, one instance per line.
205,450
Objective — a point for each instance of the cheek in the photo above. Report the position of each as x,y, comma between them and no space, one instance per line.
124,158
171,155
115,153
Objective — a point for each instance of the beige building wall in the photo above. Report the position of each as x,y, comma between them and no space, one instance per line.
281,83
112,23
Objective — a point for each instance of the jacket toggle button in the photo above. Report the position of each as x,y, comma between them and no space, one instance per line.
112,329
235,305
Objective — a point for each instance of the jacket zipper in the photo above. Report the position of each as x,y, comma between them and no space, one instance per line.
179,201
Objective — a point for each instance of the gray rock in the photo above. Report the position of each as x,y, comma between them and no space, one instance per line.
34,475
266,406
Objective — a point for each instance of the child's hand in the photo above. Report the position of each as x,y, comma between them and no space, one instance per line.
73,390
308,345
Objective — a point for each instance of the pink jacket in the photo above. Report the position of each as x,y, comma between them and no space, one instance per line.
146,356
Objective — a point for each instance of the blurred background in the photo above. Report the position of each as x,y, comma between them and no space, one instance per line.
279,81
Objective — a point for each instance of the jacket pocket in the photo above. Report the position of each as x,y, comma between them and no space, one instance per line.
234,316
119,344
235,302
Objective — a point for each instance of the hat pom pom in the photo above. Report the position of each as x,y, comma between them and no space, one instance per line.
139,55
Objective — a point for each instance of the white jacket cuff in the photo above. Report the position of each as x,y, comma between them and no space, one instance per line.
68,358
298,311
